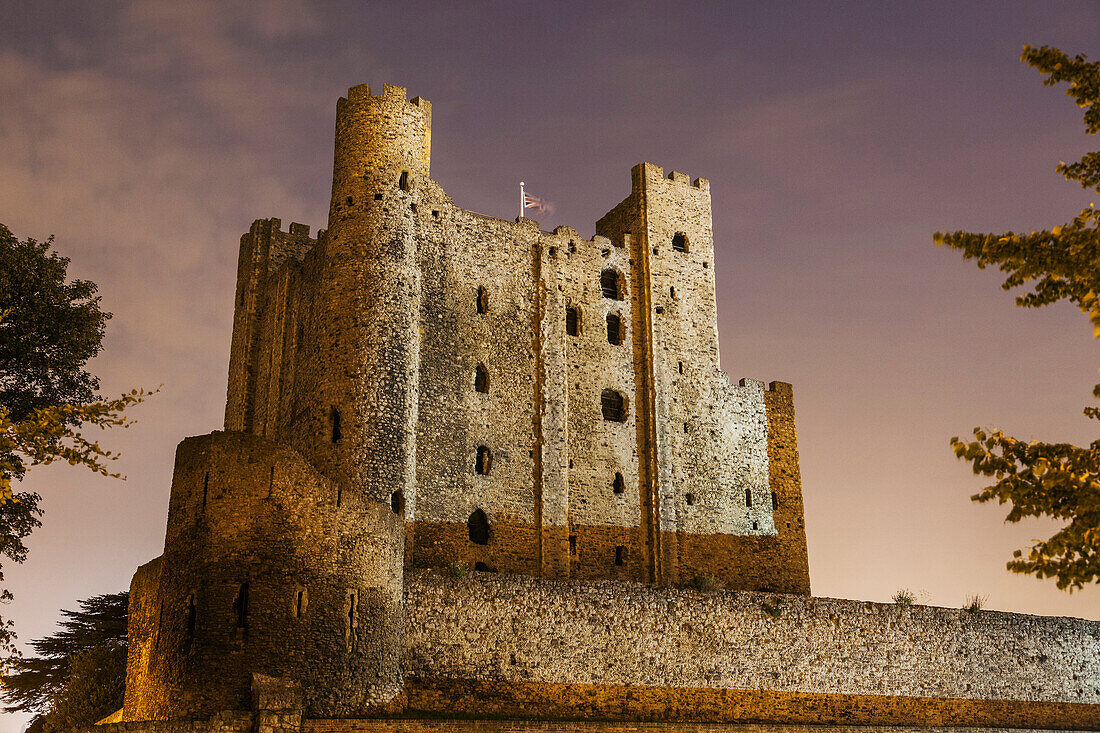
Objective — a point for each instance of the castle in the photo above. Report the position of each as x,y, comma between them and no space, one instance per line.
470,467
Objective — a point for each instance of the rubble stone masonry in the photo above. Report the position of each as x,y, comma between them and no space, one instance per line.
498,646
419,389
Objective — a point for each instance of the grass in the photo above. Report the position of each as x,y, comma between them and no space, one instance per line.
974,603
904,597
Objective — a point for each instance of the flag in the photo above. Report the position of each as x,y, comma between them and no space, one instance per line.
534,202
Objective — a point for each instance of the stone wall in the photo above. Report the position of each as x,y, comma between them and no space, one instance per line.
385,320
264,570
242,723
513,646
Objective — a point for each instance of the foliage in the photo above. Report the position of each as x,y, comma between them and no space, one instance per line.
94,689
772,608
77,674
455,570
904,597
18,518
1037,479
705,583
49,328
974,603
53,434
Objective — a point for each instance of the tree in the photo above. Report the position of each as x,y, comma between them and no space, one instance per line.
79,673
49,328
1038,479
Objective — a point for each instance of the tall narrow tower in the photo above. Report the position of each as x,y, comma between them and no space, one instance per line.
365,359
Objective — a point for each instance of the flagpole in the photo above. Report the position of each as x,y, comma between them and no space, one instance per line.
521,199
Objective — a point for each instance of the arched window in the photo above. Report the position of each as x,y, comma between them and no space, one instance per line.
478,527
572,320
680,242
484,460
482,302
481,379
618,485
613,405
397,501
611,284
614,329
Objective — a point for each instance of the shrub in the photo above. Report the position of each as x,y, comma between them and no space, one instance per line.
705,583
772,608
904,597
974,603
455,570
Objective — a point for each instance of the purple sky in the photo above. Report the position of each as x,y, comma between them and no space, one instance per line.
837,138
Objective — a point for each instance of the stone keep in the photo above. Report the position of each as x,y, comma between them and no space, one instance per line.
423,386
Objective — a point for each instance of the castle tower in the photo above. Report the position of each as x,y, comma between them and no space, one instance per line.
284,550
423,386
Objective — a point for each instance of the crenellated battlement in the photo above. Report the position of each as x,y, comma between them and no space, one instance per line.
361,94
644,172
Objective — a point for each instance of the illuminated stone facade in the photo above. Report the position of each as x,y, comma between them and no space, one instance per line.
421,392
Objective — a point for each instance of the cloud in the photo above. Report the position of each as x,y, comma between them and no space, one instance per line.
148,165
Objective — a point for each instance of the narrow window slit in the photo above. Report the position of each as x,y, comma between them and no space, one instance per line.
192,615
614,329
481,379
352,632
618,486
620,555
484,460
748,497
482,302
240,606
337,433
572,321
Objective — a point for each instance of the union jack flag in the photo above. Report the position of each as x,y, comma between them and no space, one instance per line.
534,202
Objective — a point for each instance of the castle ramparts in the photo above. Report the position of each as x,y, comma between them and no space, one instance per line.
470,467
